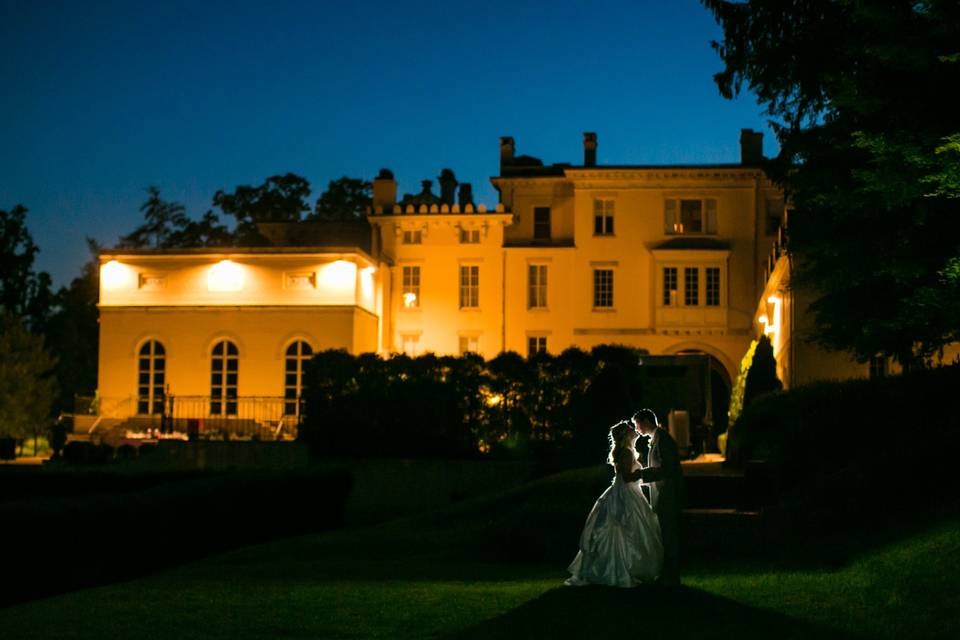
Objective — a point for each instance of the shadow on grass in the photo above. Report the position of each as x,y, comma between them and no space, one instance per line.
645,612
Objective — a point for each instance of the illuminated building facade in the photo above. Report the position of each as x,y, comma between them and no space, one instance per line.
669,259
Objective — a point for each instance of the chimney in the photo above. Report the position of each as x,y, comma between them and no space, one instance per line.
384,191
448,186
506,151
751,147
466,194
589,149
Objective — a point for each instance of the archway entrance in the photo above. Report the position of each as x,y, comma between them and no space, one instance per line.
720,387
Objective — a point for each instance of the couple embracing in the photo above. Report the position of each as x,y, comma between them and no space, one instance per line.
628,540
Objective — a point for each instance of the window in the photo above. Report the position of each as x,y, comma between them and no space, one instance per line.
150,378
878,367
713,286
297,356
537,286
469,287
224,366
603,288
410,344
411,287
412,237
690,216
603,217
541,223
536,344
469,344
669,286
691,286
469,236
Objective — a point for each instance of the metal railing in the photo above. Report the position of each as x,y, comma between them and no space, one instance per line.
268,417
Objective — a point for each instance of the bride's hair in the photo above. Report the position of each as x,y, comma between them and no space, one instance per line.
616,438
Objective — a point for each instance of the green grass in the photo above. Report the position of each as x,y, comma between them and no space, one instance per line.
492,568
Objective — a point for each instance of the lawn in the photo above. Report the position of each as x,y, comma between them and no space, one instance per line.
493,567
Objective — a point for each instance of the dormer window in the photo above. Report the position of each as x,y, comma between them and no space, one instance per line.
690,216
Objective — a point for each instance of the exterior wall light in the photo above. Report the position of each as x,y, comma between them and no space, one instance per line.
114,275
226,275
339,275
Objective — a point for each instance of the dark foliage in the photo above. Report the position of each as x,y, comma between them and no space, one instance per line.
847,454
281,198
24,293
870,158
545,406
762,376
345,199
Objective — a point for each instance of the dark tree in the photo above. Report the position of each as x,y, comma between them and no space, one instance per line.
23,293
278,199
27,384
762,376
161,221
205,232
870,158
73,334
344,200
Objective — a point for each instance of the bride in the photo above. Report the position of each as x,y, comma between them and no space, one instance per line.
620,545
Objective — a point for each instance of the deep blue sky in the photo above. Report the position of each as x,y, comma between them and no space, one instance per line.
100,100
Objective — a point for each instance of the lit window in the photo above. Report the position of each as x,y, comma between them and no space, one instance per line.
410,344
469,344
413,237
537,286
297,356
151,371
690,216
469,287
411,287
669,286
536,344
603,217
541,223
691,286
224,369
603,288
713,286
469,236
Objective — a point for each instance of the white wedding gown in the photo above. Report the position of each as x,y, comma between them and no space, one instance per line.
620,545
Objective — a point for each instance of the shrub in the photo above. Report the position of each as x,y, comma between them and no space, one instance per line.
77,452
849,451
542,407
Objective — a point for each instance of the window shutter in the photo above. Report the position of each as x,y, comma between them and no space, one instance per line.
711,216
669,216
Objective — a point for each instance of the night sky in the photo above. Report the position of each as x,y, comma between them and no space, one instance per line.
101,100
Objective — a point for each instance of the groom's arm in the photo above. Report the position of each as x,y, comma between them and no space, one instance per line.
669,463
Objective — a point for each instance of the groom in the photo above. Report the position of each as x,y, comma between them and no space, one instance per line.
665,478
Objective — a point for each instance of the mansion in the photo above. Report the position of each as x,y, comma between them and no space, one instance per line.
668,259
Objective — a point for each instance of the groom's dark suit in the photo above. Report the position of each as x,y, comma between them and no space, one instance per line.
665,476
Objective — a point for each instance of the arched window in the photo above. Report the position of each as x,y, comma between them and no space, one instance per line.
224,368
298,353
151,371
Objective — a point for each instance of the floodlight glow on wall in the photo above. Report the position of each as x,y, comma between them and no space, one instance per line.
114,275
226,275
338,275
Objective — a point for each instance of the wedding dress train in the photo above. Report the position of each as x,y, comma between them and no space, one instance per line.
620,545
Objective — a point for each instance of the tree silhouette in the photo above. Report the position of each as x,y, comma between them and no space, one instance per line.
870,158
